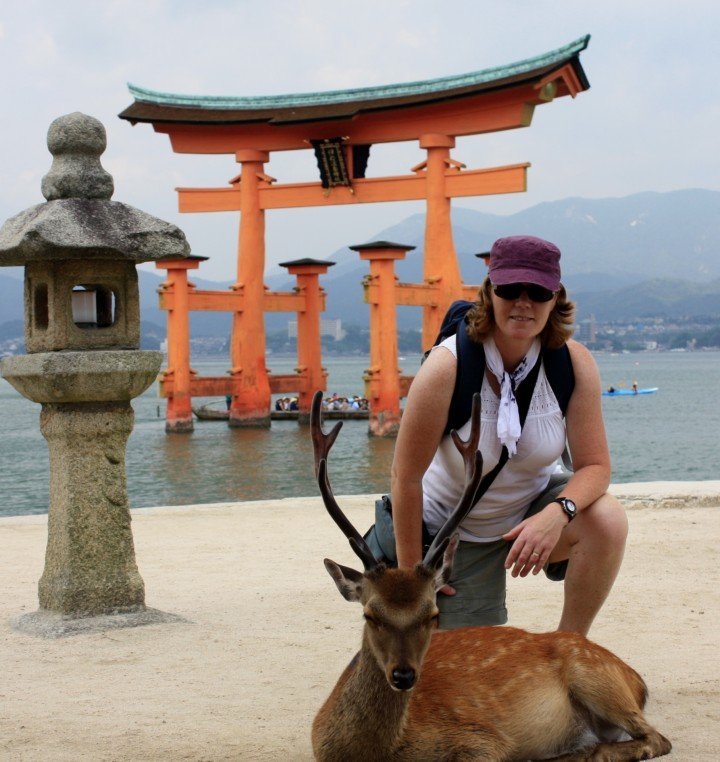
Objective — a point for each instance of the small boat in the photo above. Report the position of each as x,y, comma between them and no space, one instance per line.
209,413
629,392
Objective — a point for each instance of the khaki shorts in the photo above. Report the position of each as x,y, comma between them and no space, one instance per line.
479,570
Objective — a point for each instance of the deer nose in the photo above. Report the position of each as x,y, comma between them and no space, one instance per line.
403,679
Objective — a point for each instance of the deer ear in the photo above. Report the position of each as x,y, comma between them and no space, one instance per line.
442,576
347,580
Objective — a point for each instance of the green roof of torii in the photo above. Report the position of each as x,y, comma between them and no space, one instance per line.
151,105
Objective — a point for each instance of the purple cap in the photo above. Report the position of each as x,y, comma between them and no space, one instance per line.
525,259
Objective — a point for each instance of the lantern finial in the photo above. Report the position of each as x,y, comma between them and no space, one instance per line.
76,142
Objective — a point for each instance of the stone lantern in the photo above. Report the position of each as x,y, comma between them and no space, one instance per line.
84,365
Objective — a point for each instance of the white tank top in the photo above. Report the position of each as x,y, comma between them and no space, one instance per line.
519,482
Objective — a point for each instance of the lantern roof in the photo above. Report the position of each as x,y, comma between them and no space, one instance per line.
78,228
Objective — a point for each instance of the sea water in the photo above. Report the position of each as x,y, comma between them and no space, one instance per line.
671,435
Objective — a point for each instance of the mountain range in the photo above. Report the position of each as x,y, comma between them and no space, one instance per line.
669,242
648,254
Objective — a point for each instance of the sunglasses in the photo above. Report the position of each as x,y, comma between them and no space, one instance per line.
513,291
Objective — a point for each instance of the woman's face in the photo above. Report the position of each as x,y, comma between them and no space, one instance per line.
520,319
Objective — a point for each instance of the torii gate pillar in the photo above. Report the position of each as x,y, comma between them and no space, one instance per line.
382,378
310,370
250,406
179,417
440,261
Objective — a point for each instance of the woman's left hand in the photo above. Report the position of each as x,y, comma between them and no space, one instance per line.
534,540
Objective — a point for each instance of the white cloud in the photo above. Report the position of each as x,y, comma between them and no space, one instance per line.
334,77
39,50
409,39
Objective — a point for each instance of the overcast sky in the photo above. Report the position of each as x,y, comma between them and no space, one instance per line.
649,122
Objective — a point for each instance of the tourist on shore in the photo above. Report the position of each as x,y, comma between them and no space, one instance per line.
347,404
533,517
332,402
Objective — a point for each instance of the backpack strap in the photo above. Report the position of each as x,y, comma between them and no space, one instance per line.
454,319
525,389
468,378
560,374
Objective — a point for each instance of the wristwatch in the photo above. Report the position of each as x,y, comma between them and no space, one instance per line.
568,507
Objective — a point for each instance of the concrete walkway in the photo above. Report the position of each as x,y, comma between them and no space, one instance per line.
266,634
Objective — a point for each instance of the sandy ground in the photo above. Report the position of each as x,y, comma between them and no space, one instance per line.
267,633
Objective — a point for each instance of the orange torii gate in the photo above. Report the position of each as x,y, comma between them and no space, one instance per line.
341,126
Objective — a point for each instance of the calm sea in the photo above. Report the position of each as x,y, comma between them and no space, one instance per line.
671,435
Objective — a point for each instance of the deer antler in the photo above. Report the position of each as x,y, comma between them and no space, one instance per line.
476,485
322,443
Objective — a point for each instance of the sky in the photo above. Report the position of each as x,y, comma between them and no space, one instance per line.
648,123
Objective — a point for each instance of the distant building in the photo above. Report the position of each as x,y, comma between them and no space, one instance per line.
328,327
586,330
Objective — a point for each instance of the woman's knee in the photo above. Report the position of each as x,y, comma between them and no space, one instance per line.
605,519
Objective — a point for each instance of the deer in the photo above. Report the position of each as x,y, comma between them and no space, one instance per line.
416,692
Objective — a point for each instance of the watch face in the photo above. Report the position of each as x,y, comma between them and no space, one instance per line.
568,506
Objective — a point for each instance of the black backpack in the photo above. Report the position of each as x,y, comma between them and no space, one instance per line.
471,370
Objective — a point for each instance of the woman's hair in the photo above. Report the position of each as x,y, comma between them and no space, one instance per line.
558,329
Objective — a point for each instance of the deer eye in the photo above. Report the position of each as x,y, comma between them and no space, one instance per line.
372,622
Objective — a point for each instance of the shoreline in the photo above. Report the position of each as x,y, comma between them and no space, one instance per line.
266,635
636,495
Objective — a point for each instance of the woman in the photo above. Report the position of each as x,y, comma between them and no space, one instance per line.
518,525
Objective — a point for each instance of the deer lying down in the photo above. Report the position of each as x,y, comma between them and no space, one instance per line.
475,693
